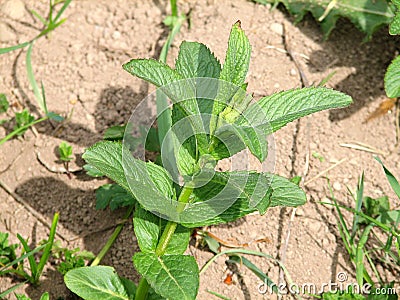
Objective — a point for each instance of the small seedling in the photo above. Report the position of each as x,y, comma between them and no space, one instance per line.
44,296
65,151
17,267
166,211
7,251
3,103
66,155
22,119
70,258
318,156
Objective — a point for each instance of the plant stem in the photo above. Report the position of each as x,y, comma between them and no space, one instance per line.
20,129
174,8
143,287
111,240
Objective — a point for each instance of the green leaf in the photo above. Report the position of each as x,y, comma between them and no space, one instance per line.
150,184
394,27
390,177
9,49
3,103
148,228
245,193
234,70
97,282
92,171
237,57
55,117
115,133
130,287
21,119
171,276
40,97
273,112
22,297
234,138
196,60
106,157
45,296
366,15
392,79
153,71
114,196
65,151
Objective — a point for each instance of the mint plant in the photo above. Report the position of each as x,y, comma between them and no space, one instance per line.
211,118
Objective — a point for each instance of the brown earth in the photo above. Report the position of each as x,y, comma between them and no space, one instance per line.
80,66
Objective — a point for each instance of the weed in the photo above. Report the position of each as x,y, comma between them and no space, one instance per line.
368,16
11,264
70,258
25,119
166,211
370,215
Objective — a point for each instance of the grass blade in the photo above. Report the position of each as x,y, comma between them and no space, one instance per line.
361,272
20,129
21,258
47,250
390,177
259,273
61,11
11,289
31,259
32,80
218,295
9,49
344,231
359,200
40,18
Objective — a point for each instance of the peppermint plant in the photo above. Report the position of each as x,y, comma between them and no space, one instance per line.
210,118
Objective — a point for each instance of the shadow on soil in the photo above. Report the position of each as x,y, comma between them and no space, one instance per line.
346,48
78,218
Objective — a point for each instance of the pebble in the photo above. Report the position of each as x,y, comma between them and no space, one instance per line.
15,9
116,35
277,28
337,186
299,212
277,85
90,59
293,72
6,33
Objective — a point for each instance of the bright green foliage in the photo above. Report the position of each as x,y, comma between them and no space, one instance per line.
45,296
99,282
282,108
114,196
394,27
70,258
148,229
392,79
366,15
211,107
65,151
7,251
3,103
179,274
21,119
